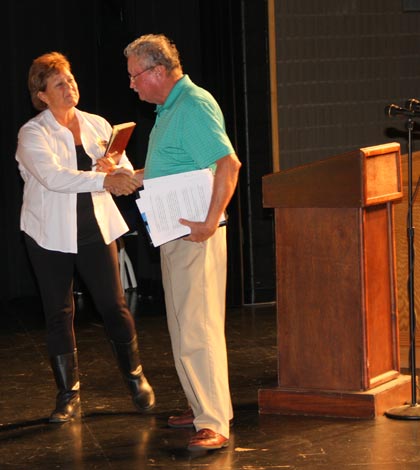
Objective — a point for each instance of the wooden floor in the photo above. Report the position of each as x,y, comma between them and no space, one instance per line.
111,435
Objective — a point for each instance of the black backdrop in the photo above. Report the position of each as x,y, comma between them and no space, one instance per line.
211,37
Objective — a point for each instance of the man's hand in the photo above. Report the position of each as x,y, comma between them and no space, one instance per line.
139,176
120,184
224,185
122,169
200,232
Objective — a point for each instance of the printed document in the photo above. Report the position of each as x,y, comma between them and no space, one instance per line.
166,199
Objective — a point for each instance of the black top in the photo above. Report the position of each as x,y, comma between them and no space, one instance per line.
87,227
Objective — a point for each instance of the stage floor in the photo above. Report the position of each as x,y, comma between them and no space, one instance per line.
112,435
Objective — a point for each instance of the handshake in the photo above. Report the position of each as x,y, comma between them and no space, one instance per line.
123,182
118,180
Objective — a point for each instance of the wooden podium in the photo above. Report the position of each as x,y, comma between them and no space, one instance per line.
338,352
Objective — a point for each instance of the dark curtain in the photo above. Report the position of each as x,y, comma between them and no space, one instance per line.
93,34
30,29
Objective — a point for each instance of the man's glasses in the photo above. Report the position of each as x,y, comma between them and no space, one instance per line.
133,77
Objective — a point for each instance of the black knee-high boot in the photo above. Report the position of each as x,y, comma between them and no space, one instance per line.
66,374
128,358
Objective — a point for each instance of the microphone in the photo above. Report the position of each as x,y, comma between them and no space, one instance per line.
413,105
394,110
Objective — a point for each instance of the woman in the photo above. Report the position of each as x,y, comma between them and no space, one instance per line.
70,221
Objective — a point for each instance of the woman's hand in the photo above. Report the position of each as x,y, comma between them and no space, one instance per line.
108,163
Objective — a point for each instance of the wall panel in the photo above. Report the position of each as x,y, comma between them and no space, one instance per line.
338,65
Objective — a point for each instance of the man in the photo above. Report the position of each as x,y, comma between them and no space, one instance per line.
189,134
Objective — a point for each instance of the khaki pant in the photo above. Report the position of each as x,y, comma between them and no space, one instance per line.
194,280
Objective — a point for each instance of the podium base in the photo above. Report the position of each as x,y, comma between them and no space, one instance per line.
345,404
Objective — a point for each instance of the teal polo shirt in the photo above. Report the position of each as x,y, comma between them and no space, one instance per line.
189,132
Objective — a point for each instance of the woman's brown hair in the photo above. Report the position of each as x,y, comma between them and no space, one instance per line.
41,69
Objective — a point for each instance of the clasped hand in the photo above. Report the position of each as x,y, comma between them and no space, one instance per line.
119,181
122,182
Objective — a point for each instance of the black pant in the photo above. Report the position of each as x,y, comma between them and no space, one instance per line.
97,265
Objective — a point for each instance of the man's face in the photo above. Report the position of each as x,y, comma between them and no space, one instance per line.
143,80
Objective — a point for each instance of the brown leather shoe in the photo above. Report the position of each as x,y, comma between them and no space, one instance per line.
206,439
185,420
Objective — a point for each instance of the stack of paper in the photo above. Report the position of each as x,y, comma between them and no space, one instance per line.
165,200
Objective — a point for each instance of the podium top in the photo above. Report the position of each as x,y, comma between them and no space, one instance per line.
360,178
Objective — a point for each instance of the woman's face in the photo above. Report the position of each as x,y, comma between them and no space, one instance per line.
62,92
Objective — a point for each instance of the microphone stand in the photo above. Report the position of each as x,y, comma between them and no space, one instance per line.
410,411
